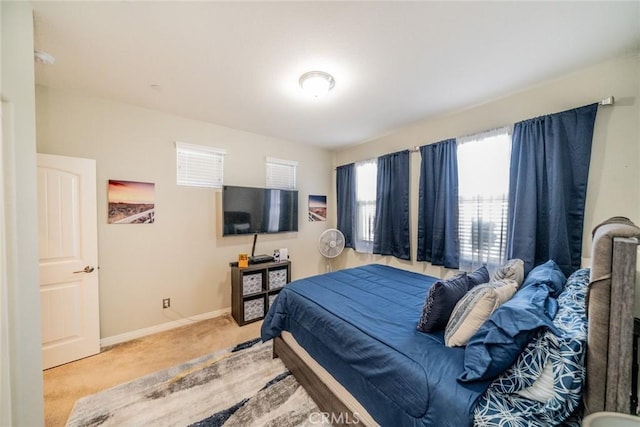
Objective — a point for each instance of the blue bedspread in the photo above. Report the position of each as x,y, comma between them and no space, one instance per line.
360,325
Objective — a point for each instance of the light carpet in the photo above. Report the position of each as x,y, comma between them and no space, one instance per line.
242,386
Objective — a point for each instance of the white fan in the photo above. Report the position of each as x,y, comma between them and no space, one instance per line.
331,244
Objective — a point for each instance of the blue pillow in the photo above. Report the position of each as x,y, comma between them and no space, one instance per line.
441,299
478,277
548,274
499,341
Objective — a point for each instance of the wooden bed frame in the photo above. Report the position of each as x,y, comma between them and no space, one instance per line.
605,389
321,394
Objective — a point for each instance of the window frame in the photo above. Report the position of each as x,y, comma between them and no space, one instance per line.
188,156
365,207
281,174
492,208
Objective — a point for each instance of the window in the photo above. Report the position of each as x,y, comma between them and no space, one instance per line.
199,166
483,179
366,178
281,173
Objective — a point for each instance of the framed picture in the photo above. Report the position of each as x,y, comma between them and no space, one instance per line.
131,202
317,208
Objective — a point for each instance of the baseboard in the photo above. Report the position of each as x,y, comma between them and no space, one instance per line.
139,333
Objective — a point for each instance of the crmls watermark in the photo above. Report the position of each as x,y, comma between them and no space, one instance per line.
334,418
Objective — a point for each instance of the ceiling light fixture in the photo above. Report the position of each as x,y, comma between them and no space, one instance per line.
317,83
42,57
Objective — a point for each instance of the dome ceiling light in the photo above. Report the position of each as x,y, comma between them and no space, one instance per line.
317,83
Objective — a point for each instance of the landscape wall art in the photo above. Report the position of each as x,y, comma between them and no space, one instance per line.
131,202
317,208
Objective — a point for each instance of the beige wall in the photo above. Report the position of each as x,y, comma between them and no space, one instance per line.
21,401
182,255
614,177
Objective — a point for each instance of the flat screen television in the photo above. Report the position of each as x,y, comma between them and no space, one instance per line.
251,210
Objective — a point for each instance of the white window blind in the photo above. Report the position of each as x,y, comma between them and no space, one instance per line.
483,186
199,166
281,173
366,187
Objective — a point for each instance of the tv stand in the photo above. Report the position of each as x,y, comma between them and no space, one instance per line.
254,288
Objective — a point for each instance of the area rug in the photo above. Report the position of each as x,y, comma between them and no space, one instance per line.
242,386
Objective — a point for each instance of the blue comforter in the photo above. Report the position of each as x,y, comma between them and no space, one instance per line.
360,325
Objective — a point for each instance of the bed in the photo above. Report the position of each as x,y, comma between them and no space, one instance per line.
350,339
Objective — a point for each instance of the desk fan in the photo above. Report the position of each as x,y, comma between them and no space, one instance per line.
331,244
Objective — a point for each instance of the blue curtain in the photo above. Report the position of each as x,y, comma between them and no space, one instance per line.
391,231
346,201
438,241
547,187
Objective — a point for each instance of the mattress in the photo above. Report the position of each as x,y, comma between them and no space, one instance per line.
360,325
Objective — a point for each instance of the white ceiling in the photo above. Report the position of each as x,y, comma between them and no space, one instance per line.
237,64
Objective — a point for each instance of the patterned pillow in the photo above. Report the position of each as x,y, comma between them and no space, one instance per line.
542,389
520,396
529,365
564,353
571,318
441,299
505,402
475,308
512,269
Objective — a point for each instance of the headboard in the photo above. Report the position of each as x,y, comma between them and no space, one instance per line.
610,310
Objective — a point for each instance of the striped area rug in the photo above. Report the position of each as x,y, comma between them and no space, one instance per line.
242,386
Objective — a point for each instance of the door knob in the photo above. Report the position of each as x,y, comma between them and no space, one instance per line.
87,269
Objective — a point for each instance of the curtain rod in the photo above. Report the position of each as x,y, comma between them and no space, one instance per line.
605,102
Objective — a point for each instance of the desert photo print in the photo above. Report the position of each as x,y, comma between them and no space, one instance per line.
131,202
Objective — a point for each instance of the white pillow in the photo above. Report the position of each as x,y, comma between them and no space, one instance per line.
512,269
474,309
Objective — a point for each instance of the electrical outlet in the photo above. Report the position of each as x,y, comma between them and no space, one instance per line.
166,303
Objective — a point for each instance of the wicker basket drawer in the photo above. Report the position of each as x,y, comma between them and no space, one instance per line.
253,309
277,278
251,283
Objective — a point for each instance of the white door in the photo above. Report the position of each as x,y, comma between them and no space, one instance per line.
68,259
